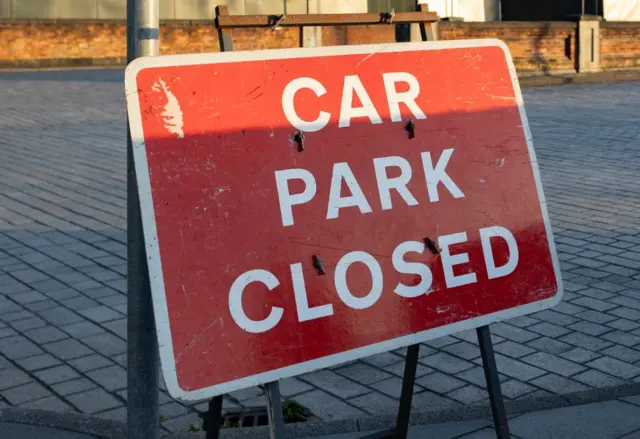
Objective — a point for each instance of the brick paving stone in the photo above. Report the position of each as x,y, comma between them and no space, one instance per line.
79,303
558,384
398,369
27,324
25,393
56,374
511,349
595,304
468,395
18,347
595,378
589,328
585,341
46,334
100,314
467,351
426,401
626,313
516,369
82,329
327,407
548,329
622,353
549,345
622,338
579,355
375,403
553,363
623,325
392,387
60,316
615,367
523,321
40,306
93,401
476,376
90,362
111,378
439,382
73,386
106,344
363,373
118,327
28,297
37,362
596,293
4,363
596,317
172,410
7,332
67,349
442,341
446,363
513,389
554,317
381,360
12,377
293,386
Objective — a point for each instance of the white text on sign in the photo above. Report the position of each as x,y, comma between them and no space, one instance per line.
306,313
436,181
352,85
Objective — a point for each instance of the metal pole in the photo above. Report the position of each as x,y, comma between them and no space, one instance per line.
582,7
143,418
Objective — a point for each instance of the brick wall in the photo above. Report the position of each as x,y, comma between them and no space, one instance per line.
619,45
536,47
104,42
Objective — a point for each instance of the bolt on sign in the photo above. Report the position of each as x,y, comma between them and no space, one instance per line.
307,207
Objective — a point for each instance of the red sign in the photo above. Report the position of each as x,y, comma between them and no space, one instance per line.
304,208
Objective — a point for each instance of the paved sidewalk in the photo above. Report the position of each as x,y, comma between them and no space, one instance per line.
62,262
619,419
615,419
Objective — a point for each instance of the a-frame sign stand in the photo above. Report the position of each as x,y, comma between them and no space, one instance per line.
402,20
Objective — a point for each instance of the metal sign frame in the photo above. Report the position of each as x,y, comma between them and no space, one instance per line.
224,24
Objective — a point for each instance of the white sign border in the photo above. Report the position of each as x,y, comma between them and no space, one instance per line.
150,230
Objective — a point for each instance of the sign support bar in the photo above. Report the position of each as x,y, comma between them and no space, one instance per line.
500,422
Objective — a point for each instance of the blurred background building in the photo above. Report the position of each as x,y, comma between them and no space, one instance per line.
468,10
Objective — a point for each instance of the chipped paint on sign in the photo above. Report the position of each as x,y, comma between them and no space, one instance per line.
172,113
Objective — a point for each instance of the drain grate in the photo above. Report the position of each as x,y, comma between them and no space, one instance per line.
254,417
246,418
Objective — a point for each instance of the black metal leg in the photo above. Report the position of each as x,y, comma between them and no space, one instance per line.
214,416
408,381
274,409
500,421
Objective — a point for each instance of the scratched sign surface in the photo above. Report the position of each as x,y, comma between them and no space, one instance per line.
304,208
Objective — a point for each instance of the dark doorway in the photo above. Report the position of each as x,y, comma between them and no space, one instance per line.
548,10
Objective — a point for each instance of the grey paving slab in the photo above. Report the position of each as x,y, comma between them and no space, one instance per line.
63,253
604,420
